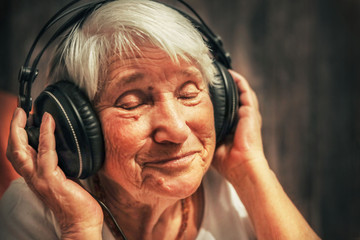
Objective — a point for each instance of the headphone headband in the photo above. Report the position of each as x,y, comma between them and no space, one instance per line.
79,137
28,74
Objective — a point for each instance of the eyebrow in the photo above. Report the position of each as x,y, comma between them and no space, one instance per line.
191,72
132,78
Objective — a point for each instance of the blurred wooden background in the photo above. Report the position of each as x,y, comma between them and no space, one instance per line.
302,59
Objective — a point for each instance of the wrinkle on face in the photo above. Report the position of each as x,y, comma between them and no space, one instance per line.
129,134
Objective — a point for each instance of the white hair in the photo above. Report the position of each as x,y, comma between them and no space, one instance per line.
121,27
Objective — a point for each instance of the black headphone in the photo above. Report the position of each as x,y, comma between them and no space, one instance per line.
79,139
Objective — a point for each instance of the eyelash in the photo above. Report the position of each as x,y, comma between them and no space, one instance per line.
191,95
188,95
130,101
130,108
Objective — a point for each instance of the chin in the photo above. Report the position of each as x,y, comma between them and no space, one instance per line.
179,186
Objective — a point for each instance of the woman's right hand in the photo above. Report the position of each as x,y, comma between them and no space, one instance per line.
78,213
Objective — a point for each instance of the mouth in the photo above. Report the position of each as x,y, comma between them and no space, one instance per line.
175,162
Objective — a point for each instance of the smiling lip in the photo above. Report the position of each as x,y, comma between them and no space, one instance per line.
173,162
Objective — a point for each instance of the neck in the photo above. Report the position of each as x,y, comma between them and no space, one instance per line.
159,218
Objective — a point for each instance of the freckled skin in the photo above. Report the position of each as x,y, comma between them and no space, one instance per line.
153,110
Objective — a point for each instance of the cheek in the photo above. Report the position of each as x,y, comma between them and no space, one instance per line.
201,122
119,137
122,143
205,120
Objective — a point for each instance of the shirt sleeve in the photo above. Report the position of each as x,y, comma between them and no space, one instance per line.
24,216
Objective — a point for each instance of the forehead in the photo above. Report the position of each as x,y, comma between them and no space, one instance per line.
152,56
150,62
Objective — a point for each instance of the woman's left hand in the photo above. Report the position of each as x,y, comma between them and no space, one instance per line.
245,146
241,160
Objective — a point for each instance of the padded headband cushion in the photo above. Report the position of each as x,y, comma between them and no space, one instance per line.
79,139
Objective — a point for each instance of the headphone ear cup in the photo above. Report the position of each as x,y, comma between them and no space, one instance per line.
225,99
79,139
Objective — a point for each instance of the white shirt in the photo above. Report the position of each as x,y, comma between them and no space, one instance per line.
24,216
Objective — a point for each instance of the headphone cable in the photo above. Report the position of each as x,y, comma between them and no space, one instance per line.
111,216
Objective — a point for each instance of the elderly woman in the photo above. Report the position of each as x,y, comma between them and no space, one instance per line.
146,70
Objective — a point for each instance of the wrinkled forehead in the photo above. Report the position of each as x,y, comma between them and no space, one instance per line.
150,57
148,64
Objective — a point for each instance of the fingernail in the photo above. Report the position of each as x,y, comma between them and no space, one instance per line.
45,117
45,123
16,112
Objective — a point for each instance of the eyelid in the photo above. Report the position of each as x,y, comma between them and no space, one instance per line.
136,99
189,84
189,91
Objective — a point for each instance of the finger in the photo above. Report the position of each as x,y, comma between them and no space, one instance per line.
254,100
250,113
247,99
240,81
247,94
20,154
47,159
17,126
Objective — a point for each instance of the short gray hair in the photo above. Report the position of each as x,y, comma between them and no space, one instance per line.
121,27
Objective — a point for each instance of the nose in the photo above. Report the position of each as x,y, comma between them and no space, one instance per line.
169,123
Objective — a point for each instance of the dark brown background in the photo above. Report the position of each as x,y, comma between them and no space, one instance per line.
302,59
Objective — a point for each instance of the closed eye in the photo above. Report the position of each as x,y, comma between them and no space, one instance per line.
189,93
131,100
